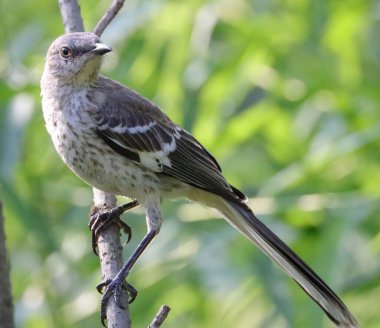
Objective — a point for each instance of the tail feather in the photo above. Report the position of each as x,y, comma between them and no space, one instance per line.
241,216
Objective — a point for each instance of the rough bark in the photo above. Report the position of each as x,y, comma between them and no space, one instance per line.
110,252
160,317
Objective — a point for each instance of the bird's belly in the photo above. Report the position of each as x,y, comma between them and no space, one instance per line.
100,166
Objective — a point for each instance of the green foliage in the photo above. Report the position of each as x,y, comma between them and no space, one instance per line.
284,93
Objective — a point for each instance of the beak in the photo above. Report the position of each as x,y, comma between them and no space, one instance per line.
101,49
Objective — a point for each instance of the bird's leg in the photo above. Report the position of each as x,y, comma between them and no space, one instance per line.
114,286
153,218
102,218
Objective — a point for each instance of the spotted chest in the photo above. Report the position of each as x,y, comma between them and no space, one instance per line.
74,137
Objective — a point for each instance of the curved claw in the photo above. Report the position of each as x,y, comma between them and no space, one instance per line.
102,218
104,300
103,285
101,221
132,292
114,287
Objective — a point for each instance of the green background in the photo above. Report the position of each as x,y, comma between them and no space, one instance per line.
284,93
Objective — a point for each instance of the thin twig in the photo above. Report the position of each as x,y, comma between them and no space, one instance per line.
160,317
108,16
72,19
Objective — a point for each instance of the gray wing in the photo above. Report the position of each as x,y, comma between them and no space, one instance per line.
138,130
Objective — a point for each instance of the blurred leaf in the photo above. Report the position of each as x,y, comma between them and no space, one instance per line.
285,94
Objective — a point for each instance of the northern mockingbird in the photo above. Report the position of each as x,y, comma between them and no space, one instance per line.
119,142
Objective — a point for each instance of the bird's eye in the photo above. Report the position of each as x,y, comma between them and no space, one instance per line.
65,52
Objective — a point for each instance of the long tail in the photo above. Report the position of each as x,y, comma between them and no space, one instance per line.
240,216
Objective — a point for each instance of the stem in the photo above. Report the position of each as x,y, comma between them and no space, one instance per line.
72,19
160,317
110,252
108,16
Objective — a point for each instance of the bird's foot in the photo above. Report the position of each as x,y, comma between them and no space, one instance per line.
113,287
102,217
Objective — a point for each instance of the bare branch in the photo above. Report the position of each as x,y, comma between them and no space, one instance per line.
72,19
160,317
110,252
104,198
109,244
108,16
6,305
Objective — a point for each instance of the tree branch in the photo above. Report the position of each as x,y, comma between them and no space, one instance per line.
72,19
110,252
160,317
6,305
109,244
108,16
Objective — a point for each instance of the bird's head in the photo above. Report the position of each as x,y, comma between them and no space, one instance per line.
75,57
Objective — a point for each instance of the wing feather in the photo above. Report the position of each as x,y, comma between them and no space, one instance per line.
137,129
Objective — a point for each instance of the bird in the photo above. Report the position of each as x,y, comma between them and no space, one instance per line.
119,142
